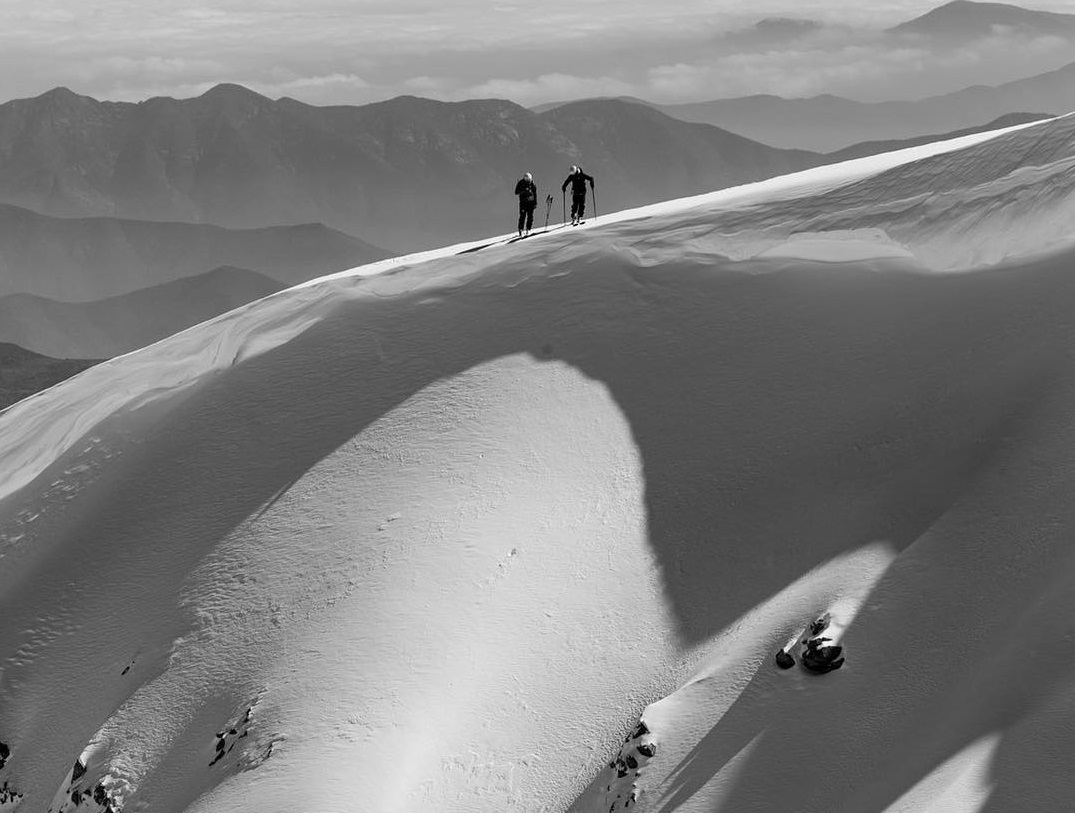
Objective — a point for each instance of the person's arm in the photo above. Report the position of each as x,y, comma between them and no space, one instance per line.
588,178
519,186
563,186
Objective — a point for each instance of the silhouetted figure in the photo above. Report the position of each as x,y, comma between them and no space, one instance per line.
526,189
578,180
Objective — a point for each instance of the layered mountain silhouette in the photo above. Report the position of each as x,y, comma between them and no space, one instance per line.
961,20
413,173
23,373
84,259
120,324
830,123
408,173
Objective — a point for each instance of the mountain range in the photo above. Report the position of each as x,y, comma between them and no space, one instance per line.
831,123
84,259
408,173
827,123
959,21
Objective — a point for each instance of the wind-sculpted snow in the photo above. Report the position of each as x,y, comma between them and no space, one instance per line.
438,534
1004,197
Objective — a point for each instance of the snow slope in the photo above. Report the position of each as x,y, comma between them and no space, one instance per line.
434,534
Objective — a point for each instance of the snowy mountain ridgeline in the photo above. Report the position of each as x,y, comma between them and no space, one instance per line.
524,525
91,174
100,200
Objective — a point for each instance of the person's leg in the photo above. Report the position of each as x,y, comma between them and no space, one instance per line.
530,218
522,217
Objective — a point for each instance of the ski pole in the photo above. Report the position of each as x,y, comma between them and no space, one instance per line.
548,208
563,200
594,202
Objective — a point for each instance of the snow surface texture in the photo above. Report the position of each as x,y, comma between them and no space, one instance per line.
436,534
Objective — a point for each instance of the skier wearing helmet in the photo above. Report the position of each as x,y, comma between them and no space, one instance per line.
526,189
578,180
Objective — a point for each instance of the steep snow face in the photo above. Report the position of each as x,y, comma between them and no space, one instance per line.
437,533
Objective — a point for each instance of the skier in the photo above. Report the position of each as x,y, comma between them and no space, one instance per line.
578,180
526,189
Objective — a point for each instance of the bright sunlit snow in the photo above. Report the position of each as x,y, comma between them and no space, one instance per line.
521,526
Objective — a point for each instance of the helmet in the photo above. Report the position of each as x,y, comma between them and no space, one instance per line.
574,169
528,176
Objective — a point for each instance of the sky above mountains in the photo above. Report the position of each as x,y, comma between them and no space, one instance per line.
357,51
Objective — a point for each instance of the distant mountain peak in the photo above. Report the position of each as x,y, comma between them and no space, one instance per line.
230,92
59,92
968,18
971,7
778,28
786,24
62,97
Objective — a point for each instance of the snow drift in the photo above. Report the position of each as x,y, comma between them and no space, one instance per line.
440,532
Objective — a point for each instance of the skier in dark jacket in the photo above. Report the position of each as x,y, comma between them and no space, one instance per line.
526,189
578,180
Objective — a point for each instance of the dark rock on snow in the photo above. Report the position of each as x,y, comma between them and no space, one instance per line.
821,659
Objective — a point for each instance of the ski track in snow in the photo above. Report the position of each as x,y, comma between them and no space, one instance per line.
440,532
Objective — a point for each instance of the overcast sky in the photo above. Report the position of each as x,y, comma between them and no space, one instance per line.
356,51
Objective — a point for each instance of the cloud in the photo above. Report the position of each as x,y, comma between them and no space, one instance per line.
327,89
354,51
113,67
314,89
859,64
549,87
792,72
